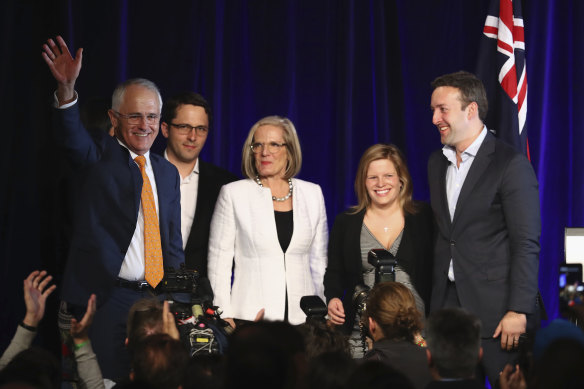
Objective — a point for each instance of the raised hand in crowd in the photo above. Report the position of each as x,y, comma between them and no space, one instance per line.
168,322
63,66
512,379
80,329
36,291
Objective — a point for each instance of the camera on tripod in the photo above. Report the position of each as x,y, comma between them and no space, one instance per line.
385,264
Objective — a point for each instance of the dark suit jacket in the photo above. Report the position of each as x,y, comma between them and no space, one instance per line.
211,179
106,209
344,270
493,238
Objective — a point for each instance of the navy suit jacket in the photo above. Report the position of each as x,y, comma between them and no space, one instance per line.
493,238
106,208
211,180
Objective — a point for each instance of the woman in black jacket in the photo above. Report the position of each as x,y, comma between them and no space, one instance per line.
387,218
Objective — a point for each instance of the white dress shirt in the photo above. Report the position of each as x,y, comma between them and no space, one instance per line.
455,176
189,188
133,265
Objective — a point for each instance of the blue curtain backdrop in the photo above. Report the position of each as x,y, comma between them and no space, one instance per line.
348,73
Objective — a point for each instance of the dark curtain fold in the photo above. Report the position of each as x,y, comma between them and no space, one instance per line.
348,73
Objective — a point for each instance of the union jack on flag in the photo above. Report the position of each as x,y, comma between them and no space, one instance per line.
501,67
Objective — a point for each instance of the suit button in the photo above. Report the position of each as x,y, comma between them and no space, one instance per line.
453,243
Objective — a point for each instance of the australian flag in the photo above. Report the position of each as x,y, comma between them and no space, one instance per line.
501,67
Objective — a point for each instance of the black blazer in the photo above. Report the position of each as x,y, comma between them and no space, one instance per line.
211,179
344,270
493,238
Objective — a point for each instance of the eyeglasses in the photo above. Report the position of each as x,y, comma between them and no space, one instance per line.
272,147
185,129
136,118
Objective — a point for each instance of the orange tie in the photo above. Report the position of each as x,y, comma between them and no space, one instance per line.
153,268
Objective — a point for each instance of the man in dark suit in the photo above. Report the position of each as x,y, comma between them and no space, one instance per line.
126,225
485,200
185,123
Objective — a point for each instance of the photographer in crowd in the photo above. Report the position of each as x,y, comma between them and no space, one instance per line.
393,322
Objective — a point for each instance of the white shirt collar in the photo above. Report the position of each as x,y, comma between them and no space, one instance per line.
134,155
472,150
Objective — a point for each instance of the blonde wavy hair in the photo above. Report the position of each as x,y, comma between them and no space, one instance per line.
294,154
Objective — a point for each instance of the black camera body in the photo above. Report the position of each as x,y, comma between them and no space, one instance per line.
384,263
314,308
180,281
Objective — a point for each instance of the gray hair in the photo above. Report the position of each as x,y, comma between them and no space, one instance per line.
120,91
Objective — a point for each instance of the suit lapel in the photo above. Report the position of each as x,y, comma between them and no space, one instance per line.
442,187
160,185
478,168
136,178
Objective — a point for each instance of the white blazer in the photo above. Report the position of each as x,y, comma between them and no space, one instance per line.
243,232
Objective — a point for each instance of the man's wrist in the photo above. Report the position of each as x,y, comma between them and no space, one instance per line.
27,326
65,95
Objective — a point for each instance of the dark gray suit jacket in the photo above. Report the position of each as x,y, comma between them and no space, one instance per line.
493,238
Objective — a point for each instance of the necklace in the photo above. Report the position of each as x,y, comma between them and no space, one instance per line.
385,229
274,198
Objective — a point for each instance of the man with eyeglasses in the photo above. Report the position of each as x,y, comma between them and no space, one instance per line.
185,123
126,226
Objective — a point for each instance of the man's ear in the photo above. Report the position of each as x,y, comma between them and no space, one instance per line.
429,357
126,342
473,109
480,354
164,129
132,375
113,118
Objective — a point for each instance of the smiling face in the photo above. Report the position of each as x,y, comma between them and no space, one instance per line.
453,122
382,183
137,137
270,165
186,148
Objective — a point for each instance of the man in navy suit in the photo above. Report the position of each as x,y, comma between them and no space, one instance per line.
107,253
185,123
484,196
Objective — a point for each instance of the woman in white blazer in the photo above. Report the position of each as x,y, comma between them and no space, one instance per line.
269,231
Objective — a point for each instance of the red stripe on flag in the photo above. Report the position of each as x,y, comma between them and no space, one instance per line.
509,82
505,46
506,13
522,94
518,34
491,30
